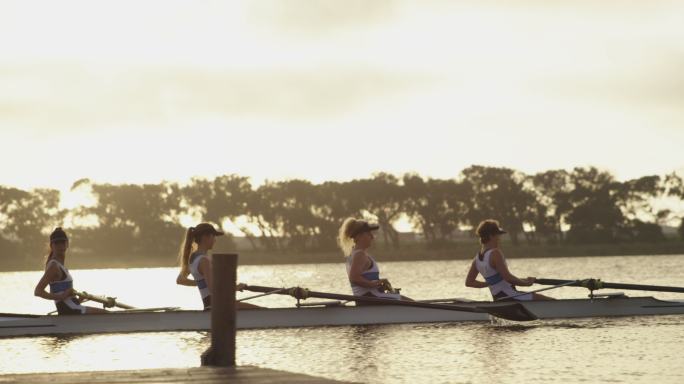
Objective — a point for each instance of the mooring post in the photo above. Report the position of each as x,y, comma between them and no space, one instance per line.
223,279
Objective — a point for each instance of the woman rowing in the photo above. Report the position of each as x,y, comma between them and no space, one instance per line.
197,262
491,264
355,237
59,279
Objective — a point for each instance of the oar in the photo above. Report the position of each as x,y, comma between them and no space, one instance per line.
595,284
155,309
106,301
566,284
508,311
262,294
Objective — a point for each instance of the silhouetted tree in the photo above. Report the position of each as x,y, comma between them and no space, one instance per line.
436,206
224,197
634,198
335,201
26,217
595,216
132,218
552,189
382,197
284,213
498,193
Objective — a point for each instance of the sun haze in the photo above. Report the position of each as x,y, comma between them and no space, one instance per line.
140,92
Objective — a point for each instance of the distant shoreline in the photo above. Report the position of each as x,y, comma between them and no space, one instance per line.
411,252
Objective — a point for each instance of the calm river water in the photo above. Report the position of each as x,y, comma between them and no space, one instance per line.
618,350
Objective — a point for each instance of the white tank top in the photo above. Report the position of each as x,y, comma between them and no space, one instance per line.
495,281
194,263
60,285
372,273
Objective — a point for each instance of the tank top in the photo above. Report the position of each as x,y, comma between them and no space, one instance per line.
372,273
60,285
194,263
496,282
69,305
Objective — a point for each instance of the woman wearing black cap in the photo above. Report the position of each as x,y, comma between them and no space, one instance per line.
355,237
491,264
58,277
198,262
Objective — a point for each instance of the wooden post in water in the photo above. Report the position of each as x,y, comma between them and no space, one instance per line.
224,276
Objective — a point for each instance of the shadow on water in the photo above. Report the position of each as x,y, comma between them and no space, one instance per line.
57,343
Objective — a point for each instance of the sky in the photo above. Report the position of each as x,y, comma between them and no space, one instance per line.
133,92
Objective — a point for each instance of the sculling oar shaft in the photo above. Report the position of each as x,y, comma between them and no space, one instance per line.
595,284
512,311
263,294
107,302
566,284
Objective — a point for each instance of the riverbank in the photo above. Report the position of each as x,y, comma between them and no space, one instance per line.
408,252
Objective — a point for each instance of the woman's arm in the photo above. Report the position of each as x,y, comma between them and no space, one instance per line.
471,279
183,279
50,275
497,261
359,262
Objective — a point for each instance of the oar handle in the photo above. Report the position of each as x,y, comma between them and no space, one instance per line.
108,302
595,284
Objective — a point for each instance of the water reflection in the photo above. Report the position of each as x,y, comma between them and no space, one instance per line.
53,345
590,350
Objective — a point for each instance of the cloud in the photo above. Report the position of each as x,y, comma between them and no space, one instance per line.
305,16
74,98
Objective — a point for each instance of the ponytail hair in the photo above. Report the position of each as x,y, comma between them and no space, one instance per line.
49,255
345,236
186,249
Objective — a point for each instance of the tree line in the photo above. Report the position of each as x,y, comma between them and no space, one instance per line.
584,205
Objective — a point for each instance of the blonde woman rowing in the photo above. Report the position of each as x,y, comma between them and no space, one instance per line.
355,238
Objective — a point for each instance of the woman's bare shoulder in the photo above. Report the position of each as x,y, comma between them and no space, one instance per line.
359,254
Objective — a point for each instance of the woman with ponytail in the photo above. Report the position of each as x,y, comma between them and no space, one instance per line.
195,260
354,238
59,279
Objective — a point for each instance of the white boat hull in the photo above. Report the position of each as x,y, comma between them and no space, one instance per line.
116,322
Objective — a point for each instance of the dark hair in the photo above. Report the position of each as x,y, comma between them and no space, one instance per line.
57,235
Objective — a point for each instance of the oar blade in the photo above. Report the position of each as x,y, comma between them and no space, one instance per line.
509,311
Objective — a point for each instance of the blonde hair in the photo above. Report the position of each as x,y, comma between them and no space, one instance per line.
344,237
187,247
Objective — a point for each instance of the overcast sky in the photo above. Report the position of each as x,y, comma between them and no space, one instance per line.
133,91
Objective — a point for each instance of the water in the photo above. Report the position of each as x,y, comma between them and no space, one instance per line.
620,350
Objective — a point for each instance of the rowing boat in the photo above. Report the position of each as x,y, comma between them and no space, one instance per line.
329,313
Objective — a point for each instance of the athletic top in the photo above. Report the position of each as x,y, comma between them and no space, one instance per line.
194,263
372,273
69,305
498,286
60,285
